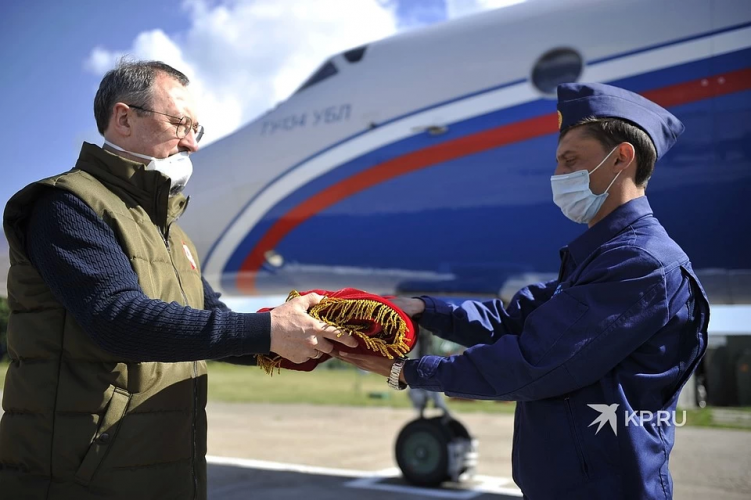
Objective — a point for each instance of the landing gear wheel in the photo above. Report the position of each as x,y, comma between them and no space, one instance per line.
457,429
422,451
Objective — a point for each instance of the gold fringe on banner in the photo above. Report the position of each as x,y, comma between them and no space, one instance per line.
340,313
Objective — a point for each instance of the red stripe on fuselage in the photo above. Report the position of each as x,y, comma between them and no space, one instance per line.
703,88
673,95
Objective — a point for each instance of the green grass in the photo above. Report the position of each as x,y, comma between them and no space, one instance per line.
343,387
348,387
703,417
333,387
700,417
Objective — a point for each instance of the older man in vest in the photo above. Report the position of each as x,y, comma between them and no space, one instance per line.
110,317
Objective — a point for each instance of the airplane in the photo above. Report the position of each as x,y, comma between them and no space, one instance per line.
420,163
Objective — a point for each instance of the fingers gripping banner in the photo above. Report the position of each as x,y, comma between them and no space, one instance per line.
381,328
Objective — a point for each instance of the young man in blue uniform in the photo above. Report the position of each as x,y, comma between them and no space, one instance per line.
620,330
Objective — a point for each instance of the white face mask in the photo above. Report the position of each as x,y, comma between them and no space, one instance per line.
571,192
177,167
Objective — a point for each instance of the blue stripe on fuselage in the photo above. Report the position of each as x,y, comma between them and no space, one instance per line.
640,83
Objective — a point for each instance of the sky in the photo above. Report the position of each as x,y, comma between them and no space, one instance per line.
242,56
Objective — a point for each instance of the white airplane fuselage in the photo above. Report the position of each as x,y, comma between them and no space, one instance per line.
421,163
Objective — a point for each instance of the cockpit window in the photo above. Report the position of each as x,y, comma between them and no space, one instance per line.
555,67
354,55
325,71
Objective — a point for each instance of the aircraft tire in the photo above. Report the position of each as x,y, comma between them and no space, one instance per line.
422,451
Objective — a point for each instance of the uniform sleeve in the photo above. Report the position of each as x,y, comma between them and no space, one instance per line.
78,256
473,322
569,342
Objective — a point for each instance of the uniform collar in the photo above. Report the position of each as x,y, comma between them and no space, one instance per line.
149,188
608,228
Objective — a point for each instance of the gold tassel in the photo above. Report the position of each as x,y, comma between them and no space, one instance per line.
268,364
338,312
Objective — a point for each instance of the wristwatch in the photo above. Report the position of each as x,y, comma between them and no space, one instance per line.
396,369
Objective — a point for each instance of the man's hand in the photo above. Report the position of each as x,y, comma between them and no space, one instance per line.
371,363
297,336
411,307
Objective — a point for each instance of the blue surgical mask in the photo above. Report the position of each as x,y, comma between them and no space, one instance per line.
177,167
572,194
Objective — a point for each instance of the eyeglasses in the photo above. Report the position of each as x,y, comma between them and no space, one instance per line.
184,124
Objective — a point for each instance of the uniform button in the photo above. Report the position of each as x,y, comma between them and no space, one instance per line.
104,437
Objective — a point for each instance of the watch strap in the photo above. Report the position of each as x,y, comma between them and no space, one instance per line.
396,370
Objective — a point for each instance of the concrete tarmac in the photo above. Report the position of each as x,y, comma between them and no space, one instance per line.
705,463
291,452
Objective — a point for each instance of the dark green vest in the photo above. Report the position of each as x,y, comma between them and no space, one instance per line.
81,423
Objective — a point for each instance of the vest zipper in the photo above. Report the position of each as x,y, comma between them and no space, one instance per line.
165,238
177,274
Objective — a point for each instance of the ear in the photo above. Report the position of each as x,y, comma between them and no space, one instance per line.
120,121
625,156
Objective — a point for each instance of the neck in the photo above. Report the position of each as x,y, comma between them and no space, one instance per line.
616,199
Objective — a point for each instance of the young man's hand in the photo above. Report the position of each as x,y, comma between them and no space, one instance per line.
411,307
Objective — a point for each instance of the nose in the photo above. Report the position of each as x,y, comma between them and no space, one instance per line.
188,143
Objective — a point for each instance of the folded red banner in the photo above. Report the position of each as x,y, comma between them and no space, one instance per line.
382,329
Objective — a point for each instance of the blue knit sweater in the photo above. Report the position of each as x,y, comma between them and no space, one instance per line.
80,259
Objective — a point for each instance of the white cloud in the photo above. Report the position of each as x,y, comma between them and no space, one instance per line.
100,60
244,56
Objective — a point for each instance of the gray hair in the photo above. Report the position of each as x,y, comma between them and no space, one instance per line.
130,82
